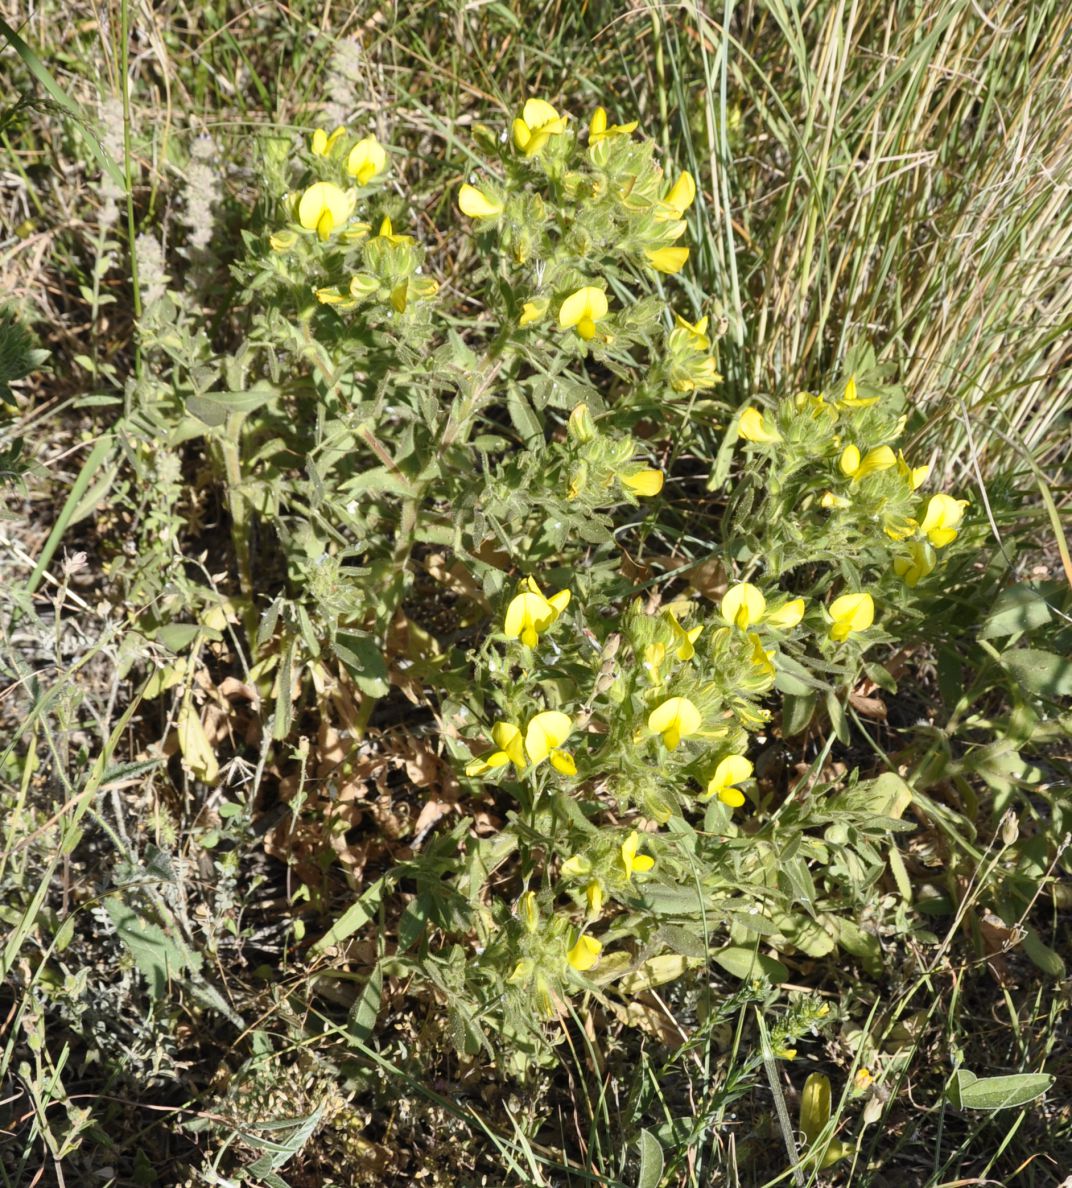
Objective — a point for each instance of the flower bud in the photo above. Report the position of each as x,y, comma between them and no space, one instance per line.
581,427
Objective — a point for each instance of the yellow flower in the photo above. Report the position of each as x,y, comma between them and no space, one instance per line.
917,565
787,616
584,954
528,910
322,143
734,769
583,309
830,500
387,232
667,259
942,519
863,1079
476,204
536,125
366,159
742,605
761,658
533,311
851,399
752,426
598,128
857,468
544,734
851,612
786,1053
811,403
675,719
643,482
594,894
694,336
685,639
679,197
530,614
631,860
915,476
507,737
324,206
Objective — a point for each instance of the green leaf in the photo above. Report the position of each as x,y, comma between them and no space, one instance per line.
747,963
863,945
366,1009
652,1163
1017,609
356,916
1043,673
215,407
838,718
969,1092
1049,961
159,956
797,712
683,941
364,661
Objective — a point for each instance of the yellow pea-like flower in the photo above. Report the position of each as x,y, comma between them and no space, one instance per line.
476,204
366,160
742,605
692,334
685,638
915,476
852,399
593,893
762,661
681,195
675,719
530,614
598,128
734,769
920,562
544,734
643,483
582,310
942,519
584,954
667,259
631,860
787,616
857,467
507,737
851,613
752,426
322,143
324,206
830,501
533,311
538,122
388,232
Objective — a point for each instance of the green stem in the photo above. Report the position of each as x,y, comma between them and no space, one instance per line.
128,174
230,447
